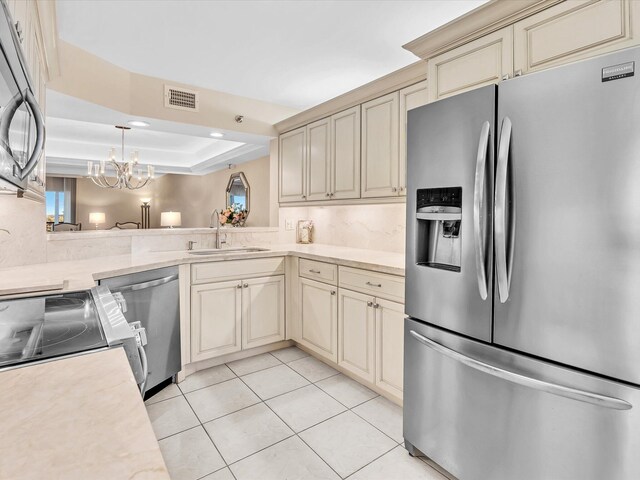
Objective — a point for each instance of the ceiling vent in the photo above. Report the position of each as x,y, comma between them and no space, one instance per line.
181,99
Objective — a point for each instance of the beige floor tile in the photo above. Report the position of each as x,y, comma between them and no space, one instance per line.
171,416
346,391
224,474
169,391
383,414
312,369
289,354
204,378
347,443
253,364
274,381
221,399
290,459
189,455
305,407
397,464
243,433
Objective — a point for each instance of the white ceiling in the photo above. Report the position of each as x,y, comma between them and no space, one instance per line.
79,131
293,53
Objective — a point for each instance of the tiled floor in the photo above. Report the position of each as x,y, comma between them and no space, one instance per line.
280,415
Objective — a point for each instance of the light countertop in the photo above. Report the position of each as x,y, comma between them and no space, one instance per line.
82,274
78,417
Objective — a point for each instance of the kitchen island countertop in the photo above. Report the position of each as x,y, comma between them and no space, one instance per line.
78,417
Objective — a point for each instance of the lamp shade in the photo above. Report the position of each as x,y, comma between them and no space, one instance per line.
96,217
170,219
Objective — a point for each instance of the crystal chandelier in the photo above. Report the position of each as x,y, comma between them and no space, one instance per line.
125,172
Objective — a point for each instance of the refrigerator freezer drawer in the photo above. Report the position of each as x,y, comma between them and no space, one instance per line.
482,412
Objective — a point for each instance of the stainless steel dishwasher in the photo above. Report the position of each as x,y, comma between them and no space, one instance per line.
152,298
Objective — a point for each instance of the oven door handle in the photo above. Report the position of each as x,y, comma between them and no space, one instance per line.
517,378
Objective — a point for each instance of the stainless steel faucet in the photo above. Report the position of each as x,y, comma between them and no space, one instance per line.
215,217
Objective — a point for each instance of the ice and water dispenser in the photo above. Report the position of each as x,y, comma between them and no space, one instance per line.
438,222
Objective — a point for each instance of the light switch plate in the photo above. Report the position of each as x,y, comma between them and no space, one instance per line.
288,224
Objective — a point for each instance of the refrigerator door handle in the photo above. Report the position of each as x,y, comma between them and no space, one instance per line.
502,270
548,387
478,201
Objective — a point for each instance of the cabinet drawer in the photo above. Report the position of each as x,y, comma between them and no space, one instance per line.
323,272
235,269
378,284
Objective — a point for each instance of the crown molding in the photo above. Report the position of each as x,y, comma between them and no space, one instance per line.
409,75
488,18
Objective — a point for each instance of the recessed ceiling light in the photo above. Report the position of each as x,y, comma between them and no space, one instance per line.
138,123
216,134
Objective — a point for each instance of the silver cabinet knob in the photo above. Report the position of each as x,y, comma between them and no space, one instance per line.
304,197
327,194
375,305
333,292
394,189
239,285
245,285
369,304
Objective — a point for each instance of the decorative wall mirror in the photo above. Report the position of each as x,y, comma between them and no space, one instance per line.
238,191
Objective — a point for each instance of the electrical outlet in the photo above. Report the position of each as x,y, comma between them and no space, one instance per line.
288,224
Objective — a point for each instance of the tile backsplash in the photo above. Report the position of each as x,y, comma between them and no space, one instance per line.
374,227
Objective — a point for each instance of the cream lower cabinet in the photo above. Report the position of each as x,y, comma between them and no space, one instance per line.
216,319
356,333
229,316
389,319
262,311
319,318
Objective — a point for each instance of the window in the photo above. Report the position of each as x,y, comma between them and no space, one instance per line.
60,200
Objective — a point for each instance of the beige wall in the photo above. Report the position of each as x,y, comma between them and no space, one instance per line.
117,205
195,196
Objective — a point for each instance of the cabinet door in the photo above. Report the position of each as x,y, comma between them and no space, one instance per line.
475,64
262,311
356,334
216,314
318,162
389,346
319,318
292,173
380,146
574,30
410,97
345,154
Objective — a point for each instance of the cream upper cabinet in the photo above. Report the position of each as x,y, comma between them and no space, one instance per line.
410,97
318,162
345,154
389,321
478,63
574,30
356,334
262,311
319,318
216,315
292,165
380,153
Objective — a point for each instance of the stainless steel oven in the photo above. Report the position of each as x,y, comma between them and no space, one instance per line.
22,129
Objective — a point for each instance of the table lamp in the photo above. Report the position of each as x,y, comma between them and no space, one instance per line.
97,218
170,219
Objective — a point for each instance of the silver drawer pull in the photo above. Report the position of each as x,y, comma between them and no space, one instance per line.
315,271
374,284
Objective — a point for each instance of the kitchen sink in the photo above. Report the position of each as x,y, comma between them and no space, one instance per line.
220,251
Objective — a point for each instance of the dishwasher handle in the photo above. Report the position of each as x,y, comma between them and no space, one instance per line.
144,285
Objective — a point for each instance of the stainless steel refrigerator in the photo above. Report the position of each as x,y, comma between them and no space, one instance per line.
522,346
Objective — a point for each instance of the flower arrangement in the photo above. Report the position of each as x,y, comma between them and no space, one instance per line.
234,215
